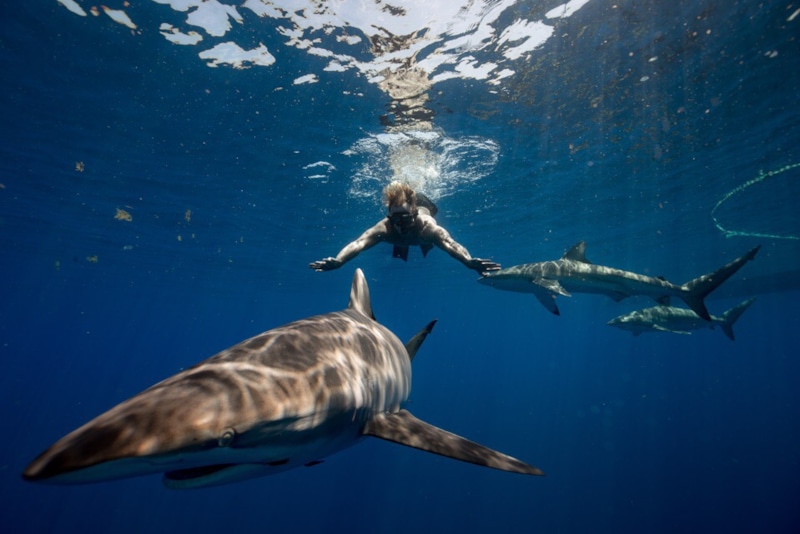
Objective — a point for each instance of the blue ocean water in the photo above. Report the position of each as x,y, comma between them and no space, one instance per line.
155,209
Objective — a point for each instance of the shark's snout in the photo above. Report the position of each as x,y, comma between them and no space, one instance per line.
134,437
81,451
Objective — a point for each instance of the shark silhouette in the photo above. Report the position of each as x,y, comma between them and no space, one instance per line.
678,320
573,273
282,399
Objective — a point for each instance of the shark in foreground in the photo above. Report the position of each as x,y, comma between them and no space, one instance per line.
678,320
285,398
573,273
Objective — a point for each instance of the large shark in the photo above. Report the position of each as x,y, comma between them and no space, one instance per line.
573,273
677,320
282,399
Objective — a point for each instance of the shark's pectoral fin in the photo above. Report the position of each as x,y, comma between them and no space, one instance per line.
552,286
405,429
664,329
546,291
548,300
618,297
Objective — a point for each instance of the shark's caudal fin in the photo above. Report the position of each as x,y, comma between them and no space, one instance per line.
700,287
359,295
415,342
732,315
405,429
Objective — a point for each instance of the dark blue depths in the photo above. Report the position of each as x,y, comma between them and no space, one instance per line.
656,433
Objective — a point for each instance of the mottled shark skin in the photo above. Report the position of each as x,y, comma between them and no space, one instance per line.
573,273
678,320
285,398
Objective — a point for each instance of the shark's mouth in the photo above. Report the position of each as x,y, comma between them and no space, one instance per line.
196,472
216,474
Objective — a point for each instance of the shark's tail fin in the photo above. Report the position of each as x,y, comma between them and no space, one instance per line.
415,342
732,315
699,288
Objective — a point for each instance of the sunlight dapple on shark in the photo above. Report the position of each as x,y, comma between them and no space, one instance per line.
282,399
573,273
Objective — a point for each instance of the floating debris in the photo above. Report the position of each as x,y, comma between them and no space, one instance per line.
123,215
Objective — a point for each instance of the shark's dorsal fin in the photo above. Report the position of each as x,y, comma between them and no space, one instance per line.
577,253
415,342
405,429
359,295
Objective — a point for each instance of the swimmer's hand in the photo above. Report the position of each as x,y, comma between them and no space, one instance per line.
482,266
326,264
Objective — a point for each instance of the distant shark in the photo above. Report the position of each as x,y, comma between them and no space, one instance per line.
677,320
285,398
573,273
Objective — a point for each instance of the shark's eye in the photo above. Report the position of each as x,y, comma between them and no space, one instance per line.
227,437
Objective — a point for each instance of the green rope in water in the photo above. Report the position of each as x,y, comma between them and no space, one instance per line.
760,178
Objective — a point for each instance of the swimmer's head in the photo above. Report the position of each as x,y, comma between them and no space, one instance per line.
400,195
401,202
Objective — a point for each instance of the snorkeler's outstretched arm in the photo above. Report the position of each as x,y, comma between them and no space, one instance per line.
442,239
368,239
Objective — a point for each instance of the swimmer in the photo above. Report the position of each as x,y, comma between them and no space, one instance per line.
410,222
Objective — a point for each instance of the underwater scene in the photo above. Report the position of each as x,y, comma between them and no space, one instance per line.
381,266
